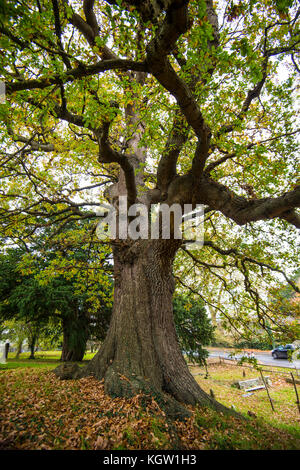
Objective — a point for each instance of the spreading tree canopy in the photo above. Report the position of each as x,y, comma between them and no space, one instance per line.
170,101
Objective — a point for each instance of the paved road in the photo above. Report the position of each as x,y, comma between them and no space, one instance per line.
263,358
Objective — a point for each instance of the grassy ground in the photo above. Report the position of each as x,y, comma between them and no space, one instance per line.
43,359
38,411
222,376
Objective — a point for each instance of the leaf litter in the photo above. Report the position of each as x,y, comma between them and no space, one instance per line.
39,411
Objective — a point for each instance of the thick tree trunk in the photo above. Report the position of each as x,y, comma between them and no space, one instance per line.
32,346
141,351
75,336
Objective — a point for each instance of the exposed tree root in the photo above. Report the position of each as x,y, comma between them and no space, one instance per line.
118,385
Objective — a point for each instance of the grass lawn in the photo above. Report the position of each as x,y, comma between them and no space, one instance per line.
43,359
38,411
222,376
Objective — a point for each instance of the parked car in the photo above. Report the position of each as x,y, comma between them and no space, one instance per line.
282,352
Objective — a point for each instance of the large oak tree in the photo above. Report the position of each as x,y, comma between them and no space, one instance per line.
162,101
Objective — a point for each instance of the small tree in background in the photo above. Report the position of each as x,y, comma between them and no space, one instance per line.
41,300
193,327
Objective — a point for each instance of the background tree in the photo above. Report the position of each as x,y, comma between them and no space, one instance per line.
286,301
42,291
193,327
173,101
15,332
21,333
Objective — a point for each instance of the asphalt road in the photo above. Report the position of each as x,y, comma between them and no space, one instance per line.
262,358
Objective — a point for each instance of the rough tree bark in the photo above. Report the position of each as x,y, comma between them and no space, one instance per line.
141,352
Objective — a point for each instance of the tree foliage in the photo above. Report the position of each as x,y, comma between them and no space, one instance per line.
41,288
171,101
193,327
